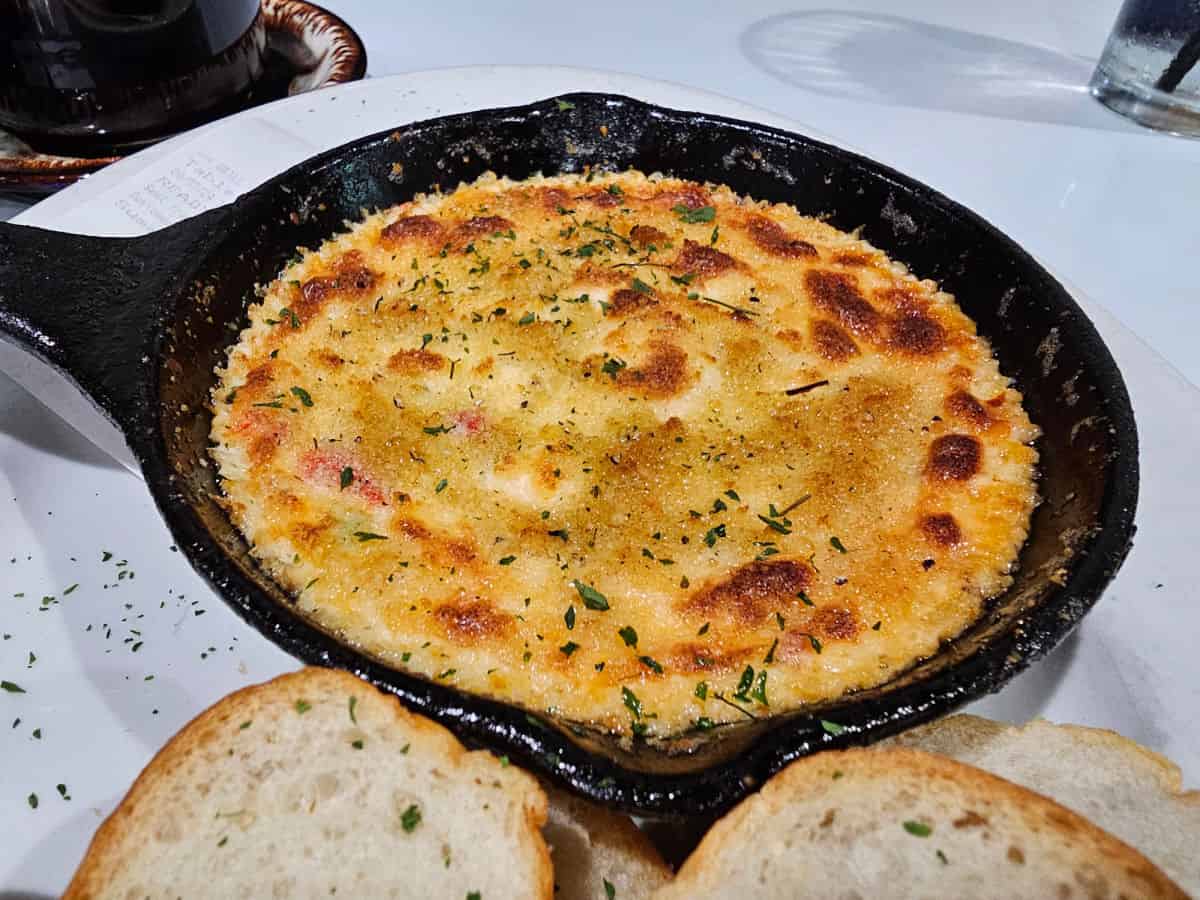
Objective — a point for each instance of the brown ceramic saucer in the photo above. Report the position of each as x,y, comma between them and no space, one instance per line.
307,48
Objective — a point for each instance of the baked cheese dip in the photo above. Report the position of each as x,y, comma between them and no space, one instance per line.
629,451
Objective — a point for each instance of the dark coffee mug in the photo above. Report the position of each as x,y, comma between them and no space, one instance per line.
104,76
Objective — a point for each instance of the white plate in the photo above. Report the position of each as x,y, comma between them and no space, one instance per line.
1130,666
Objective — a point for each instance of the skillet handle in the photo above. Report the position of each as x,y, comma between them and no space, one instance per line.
94,308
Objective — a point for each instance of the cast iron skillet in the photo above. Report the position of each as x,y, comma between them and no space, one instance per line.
140,323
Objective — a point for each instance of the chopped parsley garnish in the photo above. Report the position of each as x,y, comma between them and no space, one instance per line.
446,674
568,648
812,639
942,858
357,744
917,829
272,404
353,703
32,800
837,545
425,340
628,635
410,818
702,690
592,598
526,319
641,287
302,395
62,791
436,429
245,725
507,560
346,478
780,621
710,536
694,216
563,106
718,506
364,536
71,589
569,617
303,706
804,599
877,625
651,664
704,723
560,533
612,366
440,486
293,319
12,687
833,729
745,683
775,525
760,689
632,703
703,628
770,657
733,495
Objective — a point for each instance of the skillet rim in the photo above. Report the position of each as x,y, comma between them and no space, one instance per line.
552,752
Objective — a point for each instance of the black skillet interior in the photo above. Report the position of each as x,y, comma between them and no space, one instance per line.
146,349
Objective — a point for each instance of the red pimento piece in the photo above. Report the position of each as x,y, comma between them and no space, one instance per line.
325,468
468,421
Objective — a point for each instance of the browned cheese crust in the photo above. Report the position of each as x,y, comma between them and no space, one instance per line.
627,450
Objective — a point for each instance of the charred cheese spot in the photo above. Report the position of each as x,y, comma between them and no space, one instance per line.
413,228
663,373
416,362
792,338
916,334
831,342
351,277
701,261
838,294
690,196
627,300
468,622
854,260
942,529
528,396
955,457
749,594
836,623
555,198
962,405
771,237
480,226
327,359
702,658
647,236
602,198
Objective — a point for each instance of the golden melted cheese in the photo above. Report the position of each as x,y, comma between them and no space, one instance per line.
630,451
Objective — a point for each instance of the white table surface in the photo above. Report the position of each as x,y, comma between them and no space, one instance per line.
1095,198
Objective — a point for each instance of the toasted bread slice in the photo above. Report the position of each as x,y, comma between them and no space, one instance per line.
592,847
902,823
1129,791
316,784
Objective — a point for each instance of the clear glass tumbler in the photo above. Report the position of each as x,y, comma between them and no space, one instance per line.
1149,70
